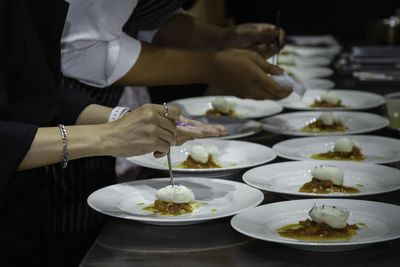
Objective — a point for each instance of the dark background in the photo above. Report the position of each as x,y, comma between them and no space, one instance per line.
347,20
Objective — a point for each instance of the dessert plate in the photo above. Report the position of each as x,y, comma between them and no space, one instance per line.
287,177
377,149
233,157
351,99
309,72
236,127
217,198
310,51
381,220
317,83
301,61
245,108
291,123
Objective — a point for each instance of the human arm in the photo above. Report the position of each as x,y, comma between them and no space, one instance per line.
186,31
141,131
243,72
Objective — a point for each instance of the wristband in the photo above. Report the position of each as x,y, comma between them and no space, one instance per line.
117,113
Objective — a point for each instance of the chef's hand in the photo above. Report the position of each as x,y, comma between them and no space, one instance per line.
192,129
142,131
259,37
197,129
244,74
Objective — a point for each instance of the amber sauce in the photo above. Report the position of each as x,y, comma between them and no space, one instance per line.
171,208
318,126
324,104
312,231
190,163
355,155
317,186
215,112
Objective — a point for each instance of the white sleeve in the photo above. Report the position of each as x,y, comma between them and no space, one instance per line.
94,49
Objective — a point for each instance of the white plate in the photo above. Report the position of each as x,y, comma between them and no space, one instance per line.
288,177
291,123
301,61
224,198
314,40
234,156
316,83
309,72
377,149
352,99
246,108
383,221
236,127
310,51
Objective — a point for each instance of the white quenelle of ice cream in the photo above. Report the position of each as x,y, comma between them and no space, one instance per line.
330,173
330,97
176,194
222,105
343,145
201,153
327,118
335,217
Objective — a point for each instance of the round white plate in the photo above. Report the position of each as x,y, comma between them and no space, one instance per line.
246,108
301,61
314,40
287,178
316,83
377,149
291,123
311,51
352,99
236,127
217,198
382,220
309,72
233,157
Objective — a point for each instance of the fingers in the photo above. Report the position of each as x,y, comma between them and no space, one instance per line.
198,129
172,114
268,68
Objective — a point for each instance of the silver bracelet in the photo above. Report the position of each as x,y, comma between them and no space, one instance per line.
64,138
117,113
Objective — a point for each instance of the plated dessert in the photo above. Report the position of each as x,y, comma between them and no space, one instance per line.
173,200
328,100
326,122
222,107
344,149
327,223
201,157
325,180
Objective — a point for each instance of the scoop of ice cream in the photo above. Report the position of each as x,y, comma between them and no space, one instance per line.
330,173
327,118
212,150
199,153
175,193
222,105
343,145
330,97
335,217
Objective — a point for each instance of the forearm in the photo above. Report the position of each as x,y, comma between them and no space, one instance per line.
94,114
47,146
187,32
165,66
